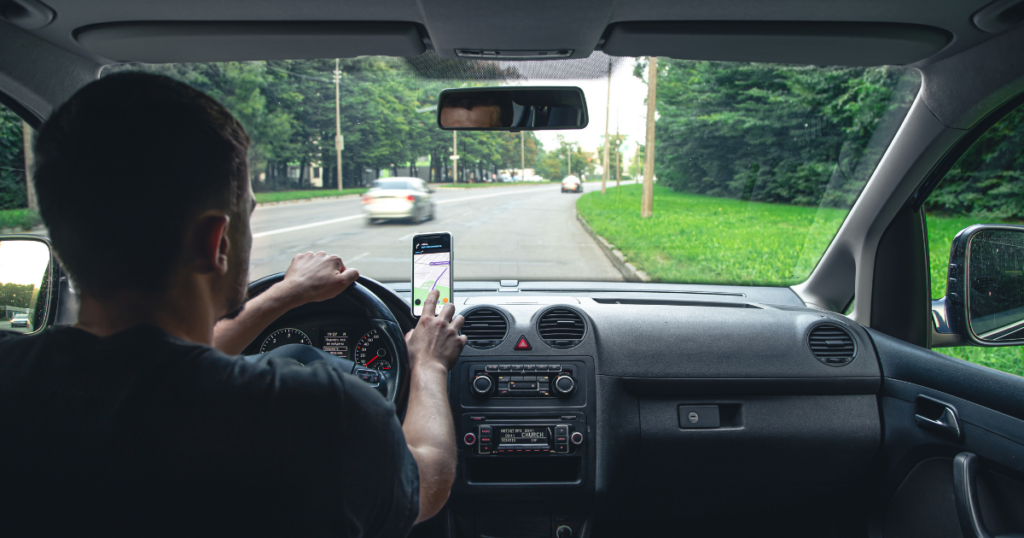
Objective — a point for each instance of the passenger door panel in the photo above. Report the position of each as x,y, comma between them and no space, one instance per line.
916,463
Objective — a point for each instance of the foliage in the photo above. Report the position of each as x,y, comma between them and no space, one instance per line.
987,182
19,218
804,135
12,162
386,116
17,295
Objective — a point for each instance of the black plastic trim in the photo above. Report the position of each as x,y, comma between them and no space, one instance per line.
686,386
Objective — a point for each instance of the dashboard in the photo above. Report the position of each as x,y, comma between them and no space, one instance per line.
576,401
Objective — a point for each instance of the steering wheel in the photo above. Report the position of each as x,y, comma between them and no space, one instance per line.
380,317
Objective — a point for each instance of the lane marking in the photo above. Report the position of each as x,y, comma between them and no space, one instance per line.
363,255
305,226
353,217
404,237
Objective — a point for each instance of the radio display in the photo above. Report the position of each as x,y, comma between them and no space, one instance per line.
522,435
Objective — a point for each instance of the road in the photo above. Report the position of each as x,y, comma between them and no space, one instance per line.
520,232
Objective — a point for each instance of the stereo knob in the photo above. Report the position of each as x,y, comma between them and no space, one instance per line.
576,438
483,384
565,385
563,531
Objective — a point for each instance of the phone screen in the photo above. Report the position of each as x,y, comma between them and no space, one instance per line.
431,270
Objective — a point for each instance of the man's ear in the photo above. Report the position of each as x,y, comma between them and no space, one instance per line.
212,243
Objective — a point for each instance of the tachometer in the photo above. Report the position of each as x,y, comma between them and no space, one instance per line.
284,337
370,352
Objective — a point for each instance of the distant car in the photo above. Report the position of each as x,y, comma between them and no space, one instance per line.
393,198
572,184
20,320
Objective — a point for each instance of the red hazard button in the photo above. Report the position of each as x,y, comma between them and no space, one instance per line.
523,345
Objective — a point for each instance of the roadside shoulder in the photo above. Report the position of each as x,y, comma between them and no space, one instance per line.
628,270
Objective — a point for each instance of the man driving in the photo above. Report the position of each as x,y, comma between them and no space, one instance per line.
130,423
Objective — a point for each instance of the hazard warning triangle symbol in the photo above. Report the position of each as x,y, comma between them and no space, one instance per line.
523,345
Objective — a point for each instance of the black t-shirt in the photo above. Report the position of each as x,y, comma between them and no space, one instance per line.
143,434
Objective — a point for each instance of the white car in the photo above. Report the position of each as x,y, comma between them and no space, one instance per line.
393,198
20,320
572,184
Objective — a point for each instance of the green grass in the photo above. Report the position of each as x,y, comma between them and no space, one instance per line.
19,218
263,197
485,185
693,238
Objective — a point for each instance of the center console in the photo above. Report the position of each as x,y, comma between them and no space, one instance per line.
526,459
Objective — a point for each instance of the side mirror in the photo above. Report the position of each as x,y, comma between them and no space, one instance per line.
28,290
985,286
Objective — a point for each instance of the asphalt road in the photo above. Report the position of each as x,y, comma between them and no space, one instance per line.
520,232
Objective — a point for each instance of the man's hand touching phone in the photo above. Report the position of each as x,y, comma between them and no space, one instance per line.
434,347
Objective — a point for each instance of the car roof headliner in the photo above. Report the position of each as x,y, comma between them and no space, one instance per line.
447,25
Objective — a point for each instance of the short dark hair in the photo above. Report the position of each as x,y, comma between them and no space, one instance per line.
124,167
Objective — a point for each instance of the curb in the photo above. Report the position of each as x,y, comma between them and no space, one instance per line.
300,200
628,270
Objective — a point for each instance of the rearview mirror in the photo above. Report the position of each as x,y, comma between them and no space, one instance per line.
512,109
985,287
26,289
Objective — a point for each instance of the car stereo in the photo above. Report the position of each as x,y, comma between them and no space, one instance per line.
522,436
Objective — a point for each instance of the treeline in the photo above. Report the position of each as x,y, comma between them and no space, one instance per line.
12,161
987,182
776,133
387,117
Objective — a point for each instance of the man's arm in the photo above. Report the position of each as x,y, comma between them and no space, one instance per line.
310,277
434,347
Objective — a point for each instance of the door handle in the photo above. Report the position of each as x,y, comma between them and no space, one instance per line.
936,416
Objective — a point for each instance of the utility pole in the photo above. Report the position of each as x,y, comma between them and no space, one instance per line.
647,195
568,153
522,153
607,114
455,157
618,167
339,141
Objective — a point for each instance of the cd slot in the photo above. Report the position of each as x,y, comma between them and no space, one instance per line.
523,470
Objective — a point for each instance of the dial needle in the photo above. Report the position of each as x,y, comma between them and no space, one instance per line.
373,359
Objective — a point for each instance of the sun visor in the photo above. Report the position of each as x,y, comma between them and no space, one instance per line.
169,42
815,43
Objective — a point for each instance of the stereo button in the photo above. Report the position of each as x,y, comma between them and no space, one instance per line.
576,438
469,439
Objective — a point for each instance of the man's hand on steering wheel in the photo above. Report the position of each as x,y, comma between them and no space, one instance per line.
311,277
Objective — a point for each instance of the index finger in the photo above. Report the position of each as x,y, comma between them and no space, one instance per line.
430,303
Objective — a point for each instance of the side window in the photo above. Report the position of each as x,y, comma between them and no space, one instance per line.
18,286
986,185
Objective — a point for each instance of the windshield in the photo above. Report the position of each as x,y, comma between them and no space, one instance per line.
754,169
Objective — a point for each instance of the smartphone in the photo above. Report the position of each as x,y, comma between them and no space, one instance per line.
431,270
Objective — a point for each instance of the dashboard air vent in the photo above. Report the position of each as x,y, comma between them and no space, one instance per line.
561,328
485,328
832,345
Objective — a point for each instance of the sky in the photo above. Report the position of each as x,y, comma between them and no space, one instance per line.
23,262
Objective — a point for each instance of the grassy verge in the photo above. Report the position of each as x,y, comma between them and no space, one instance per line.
283,196
19,218
693,238
486,185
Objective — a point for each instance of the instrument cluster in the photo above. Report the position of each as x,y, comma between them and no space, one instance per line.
349,338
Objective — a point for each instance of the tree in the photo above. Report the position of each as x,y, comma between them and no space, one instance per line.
12,161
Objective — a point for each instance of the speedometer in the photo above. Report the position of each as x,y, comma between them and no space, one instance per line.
283,337
370,352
